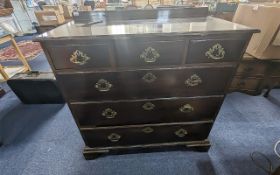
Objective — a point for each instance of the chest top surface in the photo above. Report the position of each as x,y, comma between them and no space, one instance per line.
159,26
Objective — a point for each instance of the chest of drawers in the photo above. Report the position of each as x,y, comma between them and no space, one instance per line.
145,83
254,75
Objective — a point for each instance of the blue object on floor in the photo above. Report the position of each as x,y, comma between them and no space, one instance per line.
44,140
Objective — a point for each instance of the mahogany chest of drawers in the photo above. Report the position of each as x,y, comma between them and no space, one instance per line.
145,83
254,75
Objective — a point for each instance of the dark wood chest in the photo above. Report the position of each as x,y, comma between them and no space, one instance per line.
145,83
254,75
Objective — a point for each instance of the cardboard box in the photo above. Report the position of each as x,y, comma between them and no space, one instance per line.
49,18
276,41
6,8
68,10
85,8
58,8
265,17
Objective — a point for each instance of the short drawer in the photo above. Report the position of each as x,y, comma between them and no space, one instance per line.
239,83
132,52
146,134
251,69
143,84
146,111
215,50
80,56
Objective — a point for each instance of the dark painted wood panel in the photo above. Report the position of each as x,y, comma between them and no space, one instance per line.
215,50
80,56
122,136
146,111
160,83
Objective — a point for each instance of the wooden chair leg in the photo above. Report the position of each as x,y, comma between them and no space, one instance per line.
21,56
3,73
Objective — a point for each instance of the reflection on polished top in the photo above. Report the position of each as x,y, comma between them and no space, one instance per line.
151,26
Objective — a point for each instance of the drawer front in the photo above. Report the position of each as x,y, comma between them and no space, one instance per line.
251,69
80,56
145,134
146,111
215,50
252,84
131,53
145,84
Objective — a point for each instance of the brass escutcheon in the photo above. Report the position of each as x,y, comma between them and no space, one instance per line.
149,55
103,85
216,52
181,132
114,137
149,77
194,80
78,57
186,108
148,106
148,130
109,113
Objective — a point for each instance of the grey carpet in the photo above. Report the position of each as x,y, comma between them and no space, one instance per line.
44,140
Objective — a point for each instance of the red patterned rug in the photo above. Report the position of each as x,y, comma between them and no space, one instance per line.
28,48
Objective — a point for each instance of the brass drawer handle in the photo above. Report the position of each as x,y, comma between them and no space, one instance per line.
148,106
194,80
109,113
114,137
149,77
78,57
150,55
216,52
181,132
186,108
148,130
103,85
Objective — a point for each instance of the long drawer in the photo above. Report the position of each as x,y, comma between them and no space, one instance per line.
160,83
146,134
113,113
